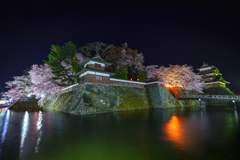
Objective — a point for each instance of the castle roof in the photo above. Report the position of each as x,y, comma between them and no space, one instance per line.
205,65
94,70
219,78
206,73
97,58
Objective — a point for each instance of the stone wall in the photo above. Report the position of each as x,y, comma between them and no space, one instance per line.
90,98
160,97
218,91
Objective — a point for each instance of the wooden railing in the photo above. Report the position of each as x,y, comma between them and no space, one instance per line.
217,97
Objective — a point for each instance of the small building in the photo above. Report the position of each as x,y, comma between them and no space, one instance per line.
4,102
94,70
211,77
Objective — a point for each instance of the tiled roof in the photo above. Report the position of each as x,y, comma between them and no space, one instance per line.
95,60
94,70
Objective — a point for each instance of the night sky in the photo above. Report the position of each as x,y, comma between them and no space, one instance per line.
166,33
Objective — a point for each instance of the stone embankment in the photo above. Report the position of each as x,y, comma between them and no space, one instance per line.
31,105
219,104
91,98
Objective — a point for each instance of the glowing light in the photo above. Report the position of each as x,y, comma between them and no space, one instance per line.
168,85
42,95
10,100
29,95
3,101
131,79
137,79
25,126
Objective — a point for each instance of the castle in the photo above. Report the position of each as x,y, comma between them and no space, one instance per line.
211,76
94,72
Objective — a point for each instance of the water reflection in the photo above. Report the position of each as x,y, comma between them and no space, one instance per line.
25,126
39,131
2,110
121,135
142,138
236,116
4,129
175,133
187,134
194,132
34,130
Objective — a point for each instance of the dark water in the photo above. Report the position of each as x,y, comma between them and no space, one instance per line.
185,133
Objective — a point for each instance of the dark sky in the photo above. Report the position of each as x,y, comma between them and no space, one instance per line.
166,33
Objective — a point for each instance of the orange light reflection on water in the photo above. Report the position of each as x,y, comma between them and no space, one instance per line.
174,132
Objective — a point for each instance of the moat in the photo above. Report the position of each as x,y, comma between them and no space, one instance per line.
177,133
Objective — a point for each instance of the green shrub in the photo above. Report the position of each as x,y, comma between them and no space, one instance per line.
121,74
218,91
142,76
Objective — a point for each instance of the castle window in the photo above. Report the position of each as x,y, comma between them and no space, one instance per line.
98,66
98,77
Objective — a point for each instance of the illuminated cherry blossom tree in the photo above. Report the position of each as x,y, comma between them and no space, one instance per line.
177,76
39,81
80,57
19,88
134,62
44,87
152,72
124,58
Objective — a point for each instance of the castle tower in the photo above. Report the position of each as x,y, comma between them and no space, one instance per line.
211,76
94,70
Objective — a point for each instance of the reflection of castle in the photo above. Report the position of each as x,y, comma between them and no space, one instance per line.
211,76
